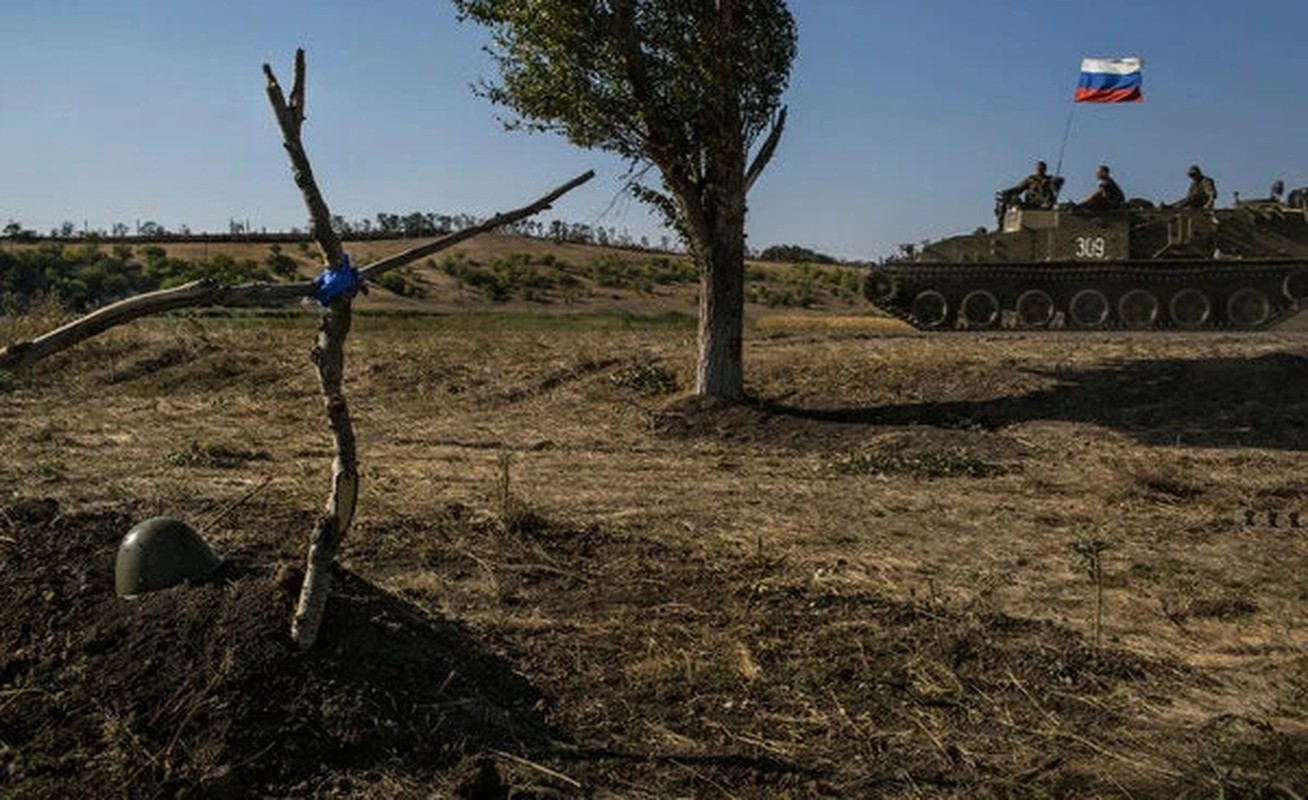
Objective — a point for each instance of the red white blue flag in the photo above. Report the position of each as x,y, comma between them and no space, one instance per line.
1110,80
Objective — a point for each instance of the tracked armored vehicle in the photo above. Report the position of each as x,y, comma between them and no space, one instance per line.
1141,268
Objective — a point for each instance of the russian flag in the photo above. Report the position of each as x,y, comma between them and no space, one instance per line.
1109,80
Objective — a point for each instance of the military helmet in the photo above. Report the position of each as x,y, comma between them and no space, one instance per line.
1194,171
161,552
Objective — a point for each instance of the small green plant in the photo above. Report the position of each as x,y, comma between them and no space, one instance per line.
51,471
1089,557
280,264
212,454
928,464
648,378
402,282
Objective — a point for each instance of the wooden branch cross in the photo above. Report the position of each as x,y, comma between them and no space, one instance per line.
328,354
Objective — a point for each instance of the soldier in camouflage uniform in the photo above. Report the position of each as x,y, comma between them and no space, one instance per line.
1037,190
1202,193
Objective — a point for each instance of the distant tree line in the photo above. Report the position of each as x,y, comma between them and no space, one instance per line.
383,225
387,225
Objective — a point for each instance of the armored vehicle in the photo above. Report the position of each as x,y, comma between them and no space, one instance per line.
1140,267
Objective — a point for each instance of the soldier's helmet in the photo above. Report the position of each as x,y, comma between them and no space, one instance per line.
1194,171
161,552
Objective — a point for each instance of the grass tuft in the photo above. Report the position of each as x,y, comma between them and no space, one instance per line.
649,378
948,463
214,455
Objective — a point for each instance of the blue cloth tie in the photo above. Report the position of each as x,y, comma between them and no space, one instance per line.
334,282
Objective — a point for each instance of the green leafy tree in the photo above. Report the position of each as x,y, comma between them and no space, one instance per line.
688,87
795,254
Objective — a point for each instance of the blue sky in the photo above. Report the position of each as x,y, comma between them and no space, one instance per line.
904,117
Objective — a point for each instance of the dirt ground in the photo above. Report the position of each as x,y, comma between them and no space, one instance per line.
568,579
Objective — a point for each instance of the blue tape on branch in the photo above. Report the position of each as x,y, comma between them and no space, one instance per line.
334,282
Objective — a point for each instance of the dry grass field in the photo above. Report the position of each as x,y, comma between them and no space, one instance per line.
990,565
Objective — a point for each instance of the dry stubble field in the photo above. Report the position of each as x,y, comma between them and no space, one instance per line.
568,579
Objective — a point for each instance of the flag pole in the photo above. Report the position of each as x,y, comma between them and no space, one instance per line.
1067,130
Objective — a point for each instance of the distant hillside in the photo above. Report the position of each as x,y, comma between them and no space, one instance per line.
492,271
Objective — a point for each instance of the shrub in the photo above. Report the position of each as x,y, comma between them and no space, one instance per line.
929,464
647,378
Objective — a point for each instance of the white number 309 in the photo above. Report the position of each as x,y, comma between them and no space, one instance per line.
1090,247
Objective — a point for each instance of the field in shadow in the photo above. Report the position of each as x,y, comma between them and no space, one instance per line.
1222,402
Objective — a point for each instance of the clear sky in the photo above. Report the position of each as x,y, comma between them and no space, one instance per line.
905,117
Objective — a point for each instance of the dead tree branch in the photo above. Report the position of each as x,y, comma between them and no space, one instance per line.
498,221
329,358
290,117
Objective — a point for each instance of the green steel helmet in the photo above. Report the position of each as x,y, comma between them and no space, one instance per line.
161,552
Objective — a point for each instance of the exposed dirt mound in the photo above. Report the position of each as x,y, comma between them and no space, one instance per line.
200,688
848,434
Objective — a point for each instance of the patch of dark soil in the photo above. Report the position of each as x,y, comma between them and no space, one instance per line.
957,447
199,688
702,416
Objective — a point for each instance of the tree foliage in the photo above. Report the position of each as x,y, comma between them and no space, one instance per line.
673,83
796,254
686,86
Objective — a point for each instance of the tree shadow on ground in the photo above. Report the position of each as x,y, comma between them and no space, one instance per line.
1216,402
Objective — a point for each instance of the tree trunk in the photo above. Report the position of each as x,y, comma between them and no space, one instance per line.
721,372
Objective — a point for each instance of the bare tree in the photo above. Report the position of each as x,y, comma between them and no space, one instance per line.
328,355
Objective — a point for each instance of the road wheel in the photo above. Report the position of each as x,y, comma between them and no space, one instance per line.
1138,309
1088,309
1035,309
979,310
930,309
1190,308
1248,308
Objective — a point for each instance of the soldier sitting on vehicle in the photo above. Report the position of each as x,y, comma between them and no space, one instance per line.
1202,193
1037,190
1107,196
